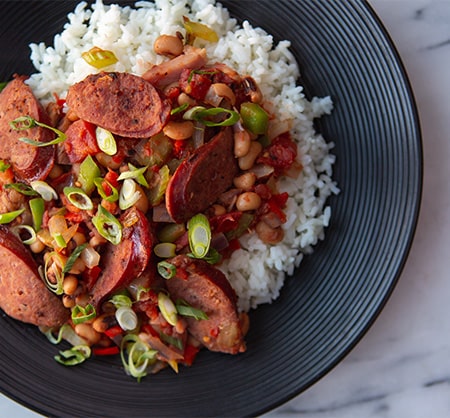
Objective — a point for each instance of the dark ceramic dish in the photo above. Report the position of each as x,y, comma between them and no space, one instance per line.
343,51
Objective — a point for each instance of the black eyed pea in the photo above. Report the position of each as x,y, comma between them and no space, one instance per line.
248,201
86,331
245,181
179,130
169,45
242,142
268,234
247,161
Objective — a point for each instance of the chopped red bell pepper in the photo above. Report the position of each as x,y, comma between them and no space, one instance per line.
114,331
190,352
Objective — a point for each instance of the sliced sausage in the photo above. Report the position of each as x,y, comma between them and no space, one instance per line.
125,261
123,103
28,162
23,294
169,71
202,177
204,287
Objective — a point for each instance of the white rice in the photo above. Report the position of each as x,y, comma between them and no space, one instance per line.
257,271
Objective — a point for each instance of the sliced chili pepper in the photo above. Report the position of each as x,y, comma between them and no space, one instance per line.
106,351
114,331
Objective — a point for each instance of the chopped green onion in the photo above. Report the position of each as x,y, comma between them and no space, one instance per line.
136,174
165,249
199,30
57,287
99,58
59,239
73,257
169,339
89,171
113,197
136,356
126,318
107,225
4,166
179,109
166,269
17,230
27,122
47,192
106,141
37,207
82,314
6,218
121,301
254,118
21,188
78,198
156,193
199,234
3,84
183,308
190,114
129,194
66,333
75,355
203,116
167,308
213,256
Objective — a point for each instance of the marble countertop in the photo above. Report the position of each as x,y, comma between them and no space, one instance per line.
401,368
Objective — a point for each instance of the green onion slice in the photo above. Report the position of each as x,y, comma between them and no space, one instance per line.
82,314
56,287
47,192
166,269
126,318
89,171
75,355
136,356
26,122
107,225
165,249
190,114
99,58
106,141
3,84
121,301
73,257
169,339
59,239
167,308
4,166
21,188
78,198
18,230
203,116
129,194
136,174
6,218
37,207
179,109
183,308
199,234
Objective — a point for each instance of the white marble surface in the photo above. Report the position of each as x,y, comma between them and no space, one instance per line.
401,369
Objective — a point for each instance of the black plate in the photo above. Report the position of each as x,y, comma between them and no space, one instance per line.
326,308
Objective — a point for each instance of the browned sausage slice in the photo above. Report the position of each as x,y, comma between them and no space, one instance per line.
208,289
28,162
127,260
201,178
23,295
123,103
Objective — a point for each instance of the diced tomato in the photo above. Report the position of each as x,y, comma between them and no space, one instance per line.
114,331
74,217
80,141
226,222
106,351
280,154
190,352
111,176
90,276
277,203
195,84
